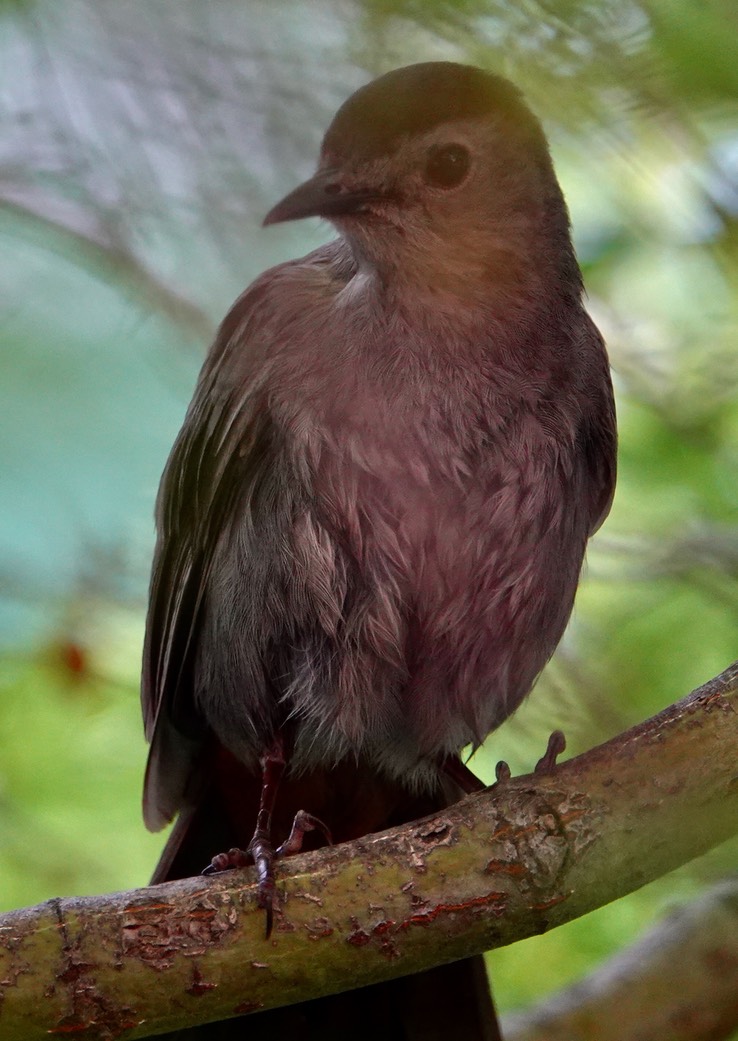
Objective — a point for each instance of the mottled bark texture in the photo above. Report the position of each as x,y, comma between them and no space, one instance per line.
499,866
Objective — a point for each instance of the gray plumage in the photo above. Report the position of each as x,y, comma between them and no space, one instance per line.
371,526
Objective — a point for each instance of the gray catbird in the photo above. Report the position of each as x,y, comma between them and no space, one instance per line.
371,526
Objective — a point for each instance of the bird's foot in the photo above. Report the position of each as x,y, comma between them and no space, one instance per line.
262,855
556,745
545,765
301,825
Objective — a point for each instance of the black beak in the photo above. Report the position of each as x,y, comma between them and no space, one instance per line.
324,195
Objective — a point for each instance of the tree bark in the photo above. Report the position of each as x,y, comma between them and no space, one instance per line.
521,858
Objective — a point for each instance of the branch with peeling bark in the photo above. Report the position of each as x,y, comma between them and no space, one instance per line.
521,858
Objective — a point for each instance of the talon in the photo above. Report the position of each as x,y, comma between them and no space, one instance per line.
234,858
301,825
262,852
269,921
556,745
265,900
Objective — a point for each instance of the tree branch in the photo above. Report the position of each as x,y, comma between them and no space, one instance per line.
99,246
677,983
516,860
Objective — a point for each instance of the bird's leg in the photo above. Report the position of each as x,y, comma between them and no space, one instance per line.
260,851
459,772
554,748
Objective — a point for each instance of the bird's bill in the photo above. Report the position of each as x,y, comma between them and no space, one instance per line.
324,195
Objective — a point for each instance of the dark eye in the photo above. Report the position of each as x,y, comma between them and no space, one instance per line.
447,165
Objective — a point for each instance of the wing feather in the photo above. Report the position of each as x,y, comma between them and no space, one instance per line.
215,463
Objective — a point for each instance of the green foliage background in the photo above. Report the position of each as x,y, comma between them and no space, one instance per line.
141,144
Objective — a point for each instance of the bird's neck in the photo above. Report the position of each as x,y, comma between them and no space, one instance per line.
509,284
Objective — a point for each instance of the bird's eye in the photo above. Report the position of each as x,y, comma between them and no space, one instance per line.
447,165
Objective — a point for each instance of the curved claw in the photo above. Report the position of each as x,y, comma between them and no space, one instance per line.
266,898
263,855
301,825
234,858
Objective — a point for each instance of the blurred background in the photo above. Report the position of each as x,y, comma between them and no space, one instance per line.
141,142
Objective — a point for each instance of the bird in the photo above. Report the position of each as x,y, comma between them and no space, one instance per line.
371,526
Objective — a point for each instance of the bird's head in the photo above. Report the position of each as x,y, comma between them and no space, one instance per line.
437,171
